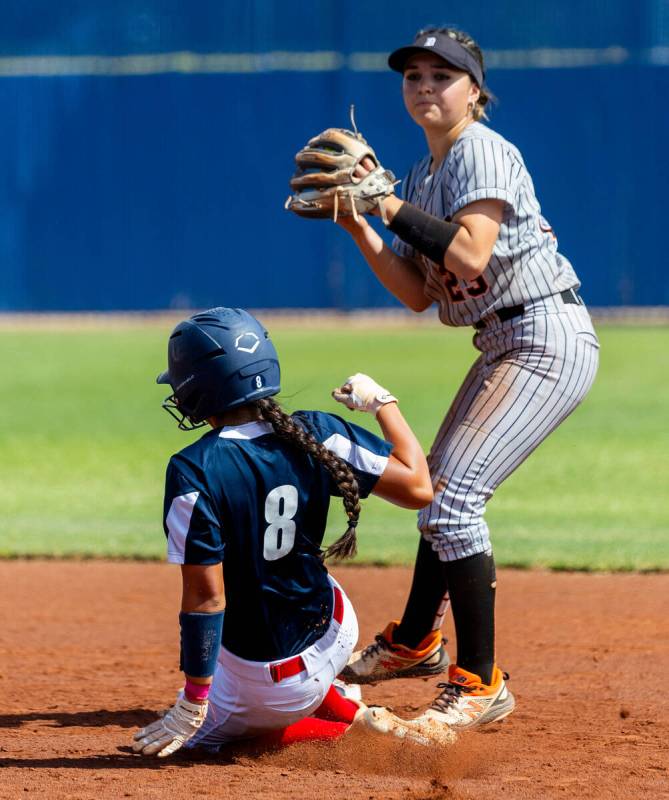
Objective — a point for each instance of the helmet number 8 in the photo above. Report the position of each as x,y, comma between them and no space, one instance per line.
280,508
258,382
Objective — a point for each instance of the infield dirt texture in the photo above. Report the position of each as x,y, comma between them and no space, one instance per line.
89,653
89,649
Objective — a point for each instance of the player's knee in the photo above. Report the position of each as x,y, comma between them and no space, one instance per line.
454,525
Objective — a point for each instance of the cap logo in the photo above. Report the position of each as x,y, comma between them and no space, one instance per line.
430,41
247,342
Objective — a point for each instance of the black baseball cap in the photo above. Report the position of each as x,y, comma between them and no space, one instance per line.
441,44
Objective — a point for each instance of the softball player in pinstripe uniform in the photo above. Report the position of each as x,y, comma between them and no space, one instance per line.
470,237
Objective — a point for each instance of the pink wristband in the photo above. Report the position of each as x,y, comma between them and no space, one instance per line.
196,691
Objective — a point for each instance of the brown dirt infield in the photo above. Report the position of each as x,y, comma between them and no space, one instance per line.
88,654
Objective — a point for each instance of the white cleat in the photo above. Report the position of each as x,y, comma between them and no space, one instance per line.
466,702
384,659
426,732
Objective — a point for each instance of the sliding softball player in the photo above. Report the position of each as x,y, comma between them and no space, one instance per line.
248,502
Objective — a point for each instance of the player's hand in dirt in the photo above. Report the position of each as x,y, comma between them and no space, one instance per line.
166,735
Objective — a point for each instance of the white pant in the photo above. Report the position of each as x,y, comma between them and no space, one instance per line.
245,701
532,373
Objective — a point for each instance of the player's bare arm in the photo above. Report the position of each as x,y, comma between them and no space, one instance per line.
468,252
202,588
406,478
471,249
401,277
202,593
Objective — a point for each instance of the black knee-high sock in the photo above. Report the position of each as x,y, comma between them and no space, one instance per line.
427,592
471,586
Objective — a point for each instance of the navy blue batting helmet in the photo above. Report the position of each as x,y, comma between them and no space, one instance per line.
217,360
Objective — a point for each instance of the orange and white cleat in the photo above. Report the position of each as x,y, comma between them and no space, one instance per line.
384,659
466,702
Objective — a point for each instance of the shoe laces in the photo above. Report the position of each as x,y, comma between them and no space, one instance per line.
380,643
449,696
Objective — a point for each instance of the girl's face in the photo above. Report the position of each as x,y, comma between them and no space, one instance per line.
437,95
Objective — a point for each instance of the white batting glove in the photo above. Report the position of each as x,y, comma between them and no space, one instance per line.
166,735
362,393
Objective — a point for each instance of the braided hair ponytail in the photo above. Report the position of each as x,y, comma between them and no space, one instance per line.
287,429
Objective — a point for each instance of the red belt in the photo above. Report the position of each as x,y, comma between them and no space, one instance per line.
295,665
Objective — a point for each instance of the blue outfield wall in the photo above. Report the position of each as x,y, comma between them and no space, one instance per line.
161,183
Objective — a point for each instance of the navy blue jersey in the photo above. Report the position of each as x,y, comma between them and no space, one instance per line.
243,496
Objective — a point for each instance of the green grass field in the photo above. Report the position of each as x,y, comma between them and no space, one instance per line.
84,444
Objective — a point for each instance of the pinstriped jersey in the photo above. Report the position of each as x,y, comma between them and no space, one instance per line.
525,264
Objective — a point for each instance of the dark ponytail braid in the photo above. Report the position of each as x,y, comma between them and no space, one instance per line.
286,428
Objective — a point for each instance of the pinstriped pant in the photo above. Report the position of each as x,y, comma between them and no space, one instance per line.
532,373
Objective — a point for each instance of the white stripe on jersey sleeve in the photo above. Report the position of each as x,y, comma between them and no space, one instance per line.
178,523
359,457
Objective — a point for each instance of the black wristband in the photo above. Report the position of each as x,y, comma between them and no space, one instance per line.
429,235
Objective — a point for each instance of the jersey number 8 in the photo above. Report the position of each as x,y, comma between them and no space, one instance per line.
280,508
